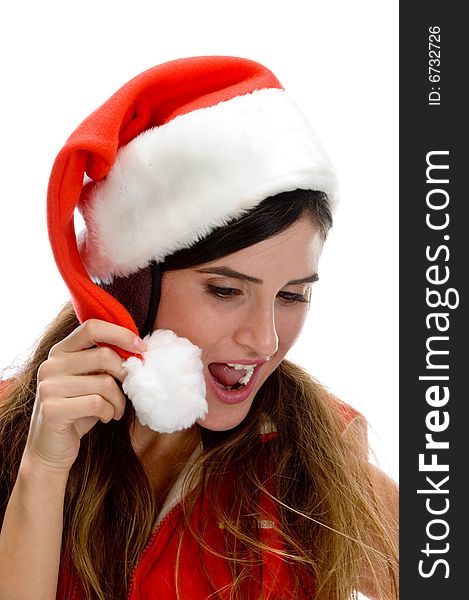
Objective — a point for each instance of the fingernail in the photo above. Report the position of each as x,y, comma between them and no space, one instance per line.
140,344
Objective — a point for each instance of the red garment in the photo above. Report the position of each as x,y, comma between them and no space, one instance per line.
155,574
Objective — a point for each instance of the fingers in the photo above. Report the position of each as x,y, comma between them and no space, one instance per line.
102,388
93,360
77,386
95,331
55,410
77,369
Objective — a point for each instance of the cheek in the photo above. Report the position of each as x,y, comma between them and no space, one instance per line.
289,328
189,313
174,308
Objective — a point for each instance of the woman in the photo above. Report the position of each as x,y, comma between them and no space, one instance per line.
212,468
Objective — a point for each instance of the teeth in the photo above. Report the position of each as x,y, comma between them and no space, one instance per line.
248,368
240,367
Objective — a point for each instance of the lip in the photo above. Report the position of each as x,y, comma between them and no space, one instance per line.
243,361
235,396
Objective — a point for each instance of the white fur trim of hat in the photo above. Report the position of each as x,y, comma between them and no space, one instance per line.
174,184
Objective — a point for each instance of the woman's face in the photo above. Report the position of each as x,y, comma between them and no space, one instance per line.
245,309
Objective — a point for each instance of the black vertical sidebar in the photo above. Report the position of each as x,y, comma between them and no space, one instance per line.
434,269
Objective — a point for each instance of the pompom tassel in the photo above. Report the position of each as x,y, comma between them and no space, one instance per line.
167,388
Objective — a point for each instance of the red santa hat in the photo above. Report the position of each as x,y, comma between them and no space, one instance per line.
181,149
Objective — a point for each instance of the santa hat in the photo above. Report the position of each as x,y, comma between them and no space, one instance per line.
181,149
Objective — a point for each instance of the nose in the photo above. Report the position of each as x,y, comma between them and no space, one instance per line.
258,332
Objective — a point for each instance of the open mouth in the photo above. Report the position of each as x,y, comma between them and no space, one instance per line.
231,376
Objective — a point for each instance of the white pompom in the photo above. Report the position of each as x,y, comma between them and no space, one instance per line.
167,388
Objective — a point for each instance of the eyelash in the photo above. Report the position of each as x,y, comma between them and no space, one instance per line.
227,293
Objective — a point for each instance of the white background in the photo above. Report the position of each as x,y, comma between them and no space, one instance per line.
337,58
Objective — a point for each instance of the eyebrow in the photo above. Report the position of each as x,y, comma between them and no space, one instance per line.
227,272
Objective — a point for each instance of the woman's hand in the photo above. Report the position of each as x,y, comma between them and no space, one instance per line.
77,388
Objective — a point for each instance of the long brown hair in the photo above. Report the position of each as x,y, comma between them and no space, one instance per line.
327,509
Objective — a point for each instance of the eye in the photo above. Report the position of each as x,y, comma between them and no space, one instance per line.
292,298
223,293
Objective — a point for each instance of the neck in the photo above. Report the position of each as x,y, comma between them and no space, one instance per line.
147,442
163,455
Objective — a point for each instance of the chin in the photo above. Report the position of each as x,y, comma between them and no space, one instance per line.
224,419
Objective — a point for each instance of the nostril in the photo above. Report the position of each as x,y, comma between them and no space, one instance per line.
259,335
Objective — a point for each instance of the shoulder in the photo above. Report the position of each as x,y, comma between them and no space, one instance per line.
4,385
346,413
300,382
351,421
